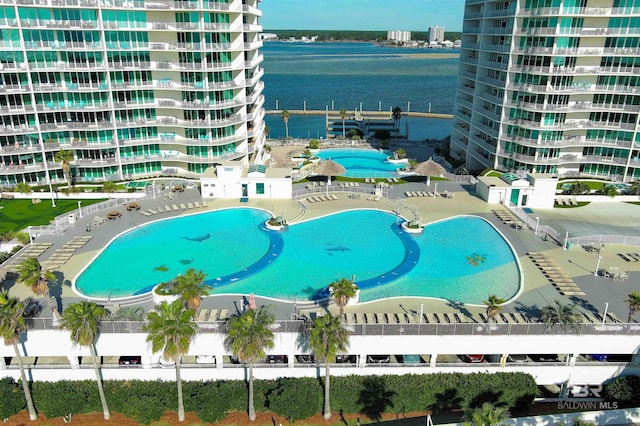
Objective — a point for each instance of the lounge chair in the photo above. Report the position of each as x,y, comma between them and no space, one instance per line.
360,319
205,203
369,318
197,204
203,315
213,316
408,194
224,315
334,196
190,205
183,206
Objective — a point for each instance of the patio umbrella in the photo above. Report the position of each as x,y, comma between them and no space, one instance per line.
429,168
329,168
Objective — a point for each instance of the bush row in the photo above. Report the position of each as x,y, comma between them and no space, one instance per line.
294,398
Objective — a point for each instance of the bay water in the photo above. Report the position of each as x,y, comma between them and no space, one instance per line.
367,76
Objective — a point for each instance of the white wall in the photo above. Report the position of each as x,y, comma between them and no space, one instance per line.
56,343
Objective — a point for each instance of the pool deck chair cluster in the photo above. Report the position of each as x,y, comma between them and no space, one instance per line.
32,250
64,253
174,208
321,198
556,276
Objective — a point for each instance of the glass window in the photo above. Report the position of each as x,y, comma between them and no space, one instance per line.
259,188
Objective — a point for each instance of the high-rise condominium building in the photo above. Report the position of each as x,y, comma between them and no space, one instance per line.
131,88
399,36
550,86
436,34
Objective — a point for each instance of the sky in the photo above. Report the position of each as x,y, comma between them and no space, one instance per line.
381,15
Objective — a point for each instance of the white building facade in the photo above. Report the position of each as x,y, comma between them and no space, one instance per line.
132,88
436,34
399,36
550,86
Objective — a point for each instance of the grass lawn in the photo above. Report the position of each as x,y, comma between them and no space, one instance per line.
18,214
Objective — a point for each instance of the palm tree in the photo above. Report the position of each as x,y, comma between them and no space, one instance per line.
170,328
487,415
494,305
285,117
12,323
327,338
562,314
341,292
82,320
191,288
343,115
396,113
248,336
633,300
23,188
109,187
31,274
65,157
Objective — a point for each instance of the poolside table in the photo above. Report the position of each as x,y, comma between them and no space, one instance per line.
114,215
133,206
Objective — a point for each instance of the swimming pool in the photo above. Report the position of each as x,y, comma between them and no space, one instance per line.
361,163
462,259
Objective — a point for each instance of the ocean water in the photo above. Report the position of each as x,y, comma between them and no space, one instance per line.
355,75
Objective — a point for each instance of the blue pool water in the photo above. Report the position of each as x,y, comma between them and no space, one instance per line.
362,163
462,259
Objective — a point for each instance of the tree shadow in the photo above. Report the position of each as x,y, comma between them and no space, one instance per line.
446,401
584,304
460,307
491,397
375,397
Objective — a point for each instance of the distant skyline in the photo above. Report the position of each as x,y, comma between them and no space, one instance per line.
378,15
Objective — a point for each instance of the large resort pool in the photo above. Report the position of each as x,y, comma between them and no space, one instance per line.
462,259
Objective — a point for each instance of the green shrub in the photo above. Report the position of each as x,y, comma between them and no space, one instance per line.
296,399
58,399
623,390
11,396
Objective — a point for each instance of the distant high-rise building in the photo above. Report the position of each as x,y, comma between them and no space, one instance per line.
132,88
436,34
549,86
399,36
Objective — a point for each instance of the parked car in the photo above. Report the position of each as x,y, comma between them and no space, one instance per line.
544,357
409,359
517,358
599,357
277,359
130,360
205,359
473,358
305,359
346,359
378,359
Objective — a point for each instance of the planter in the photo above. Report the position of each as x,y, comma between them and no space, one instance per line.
411,230
159,298
397,160
275,227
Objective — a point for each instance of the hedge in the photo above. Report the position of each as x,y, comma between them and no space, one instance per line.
624,390
294,398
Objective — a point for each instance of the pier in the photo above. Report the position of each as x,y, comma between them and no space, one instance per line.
378,114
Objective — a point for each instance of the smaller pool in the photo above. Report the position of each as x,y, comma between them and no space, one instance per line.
362,163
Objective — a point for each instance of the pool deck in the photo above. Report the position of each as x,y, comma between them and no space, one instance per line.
578,263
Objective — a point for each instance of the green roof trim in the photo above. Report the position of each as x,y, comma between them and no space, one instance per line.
257,168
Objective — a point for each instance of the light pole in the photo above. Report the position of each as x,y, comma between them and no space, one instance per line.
595,273
53,199
435,189
30,235
537,224
80,209
604,317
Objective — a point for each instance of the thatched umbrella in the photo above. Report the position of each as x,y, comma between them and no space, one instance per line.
329,168
429,168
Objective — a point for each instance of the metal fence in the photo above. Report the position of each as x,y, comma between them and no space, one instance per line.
606,239
374,329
